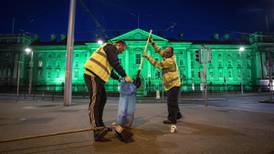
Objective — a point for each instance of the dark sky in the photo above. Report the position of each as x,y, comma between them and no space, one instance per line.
196,19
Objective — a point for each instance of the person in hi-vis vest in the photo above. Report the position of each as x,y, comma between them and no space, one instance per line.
171,80
98,69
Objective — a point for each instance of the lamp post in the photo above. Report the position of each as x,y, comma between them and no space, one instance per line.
241,50
70,45
270,70
30,51
18,76
206,58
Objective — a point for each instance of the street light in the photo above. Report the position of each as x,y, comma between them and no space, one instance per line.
241,50
70,45
100,42
18,76
29,51
205,59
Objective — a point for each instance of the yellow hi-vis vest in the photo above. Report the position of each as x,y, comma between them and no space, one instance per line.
171,75
98,64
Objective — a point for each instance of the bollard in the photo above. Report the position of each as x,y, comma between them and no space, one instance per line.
158,94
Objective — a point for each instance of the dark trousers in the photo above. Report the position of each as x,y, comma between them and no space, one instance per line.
172,103
97,102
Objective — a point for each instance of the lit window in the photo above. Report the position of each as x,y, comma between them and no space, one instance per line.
229,74
229,64
40,63
57,73
48,65
40,73
157,74
49,74
220,64
220,74
76,74
249,64
138,58
211,73
57,64
181,62
249,74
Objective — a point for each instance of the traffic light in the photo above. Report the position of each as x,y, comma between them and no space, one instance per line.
198,56
200,74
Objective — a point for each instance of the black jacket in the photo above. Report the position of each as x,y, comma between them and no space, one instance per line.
112,57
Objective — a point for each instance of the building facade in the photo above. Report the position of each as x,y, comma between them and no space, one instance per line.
11,57
227,70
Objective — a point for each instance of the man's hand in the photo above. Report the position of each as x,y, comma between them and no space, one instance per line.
128,79
145,54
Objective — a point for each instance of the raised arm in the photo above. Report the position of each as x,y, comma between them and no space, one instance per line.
156,47
167,63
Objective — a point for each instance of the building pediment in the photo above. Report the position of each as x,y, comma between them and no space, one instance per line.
137,34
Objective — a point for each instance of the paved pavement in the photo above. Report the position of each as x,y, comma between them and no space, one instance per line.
232,124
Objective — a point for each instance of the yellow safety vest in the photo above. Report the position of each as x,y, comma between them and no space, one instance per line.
98,64
171,75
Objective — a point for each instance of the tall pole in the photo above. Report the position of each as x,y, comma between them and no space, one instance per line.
270,74
18,76
205,59
241,49
242,88
70,41
30,72
271,84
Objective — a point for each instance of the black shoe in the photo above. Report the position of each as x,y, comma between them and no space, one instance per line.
109,129
99,135
102,139
123,134
179,116
169,122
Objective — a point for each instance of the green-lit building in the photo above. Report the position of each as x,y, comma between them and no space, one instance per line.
227,67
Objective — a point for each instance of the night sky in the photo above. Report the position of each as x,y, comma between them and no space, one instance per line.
196,19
